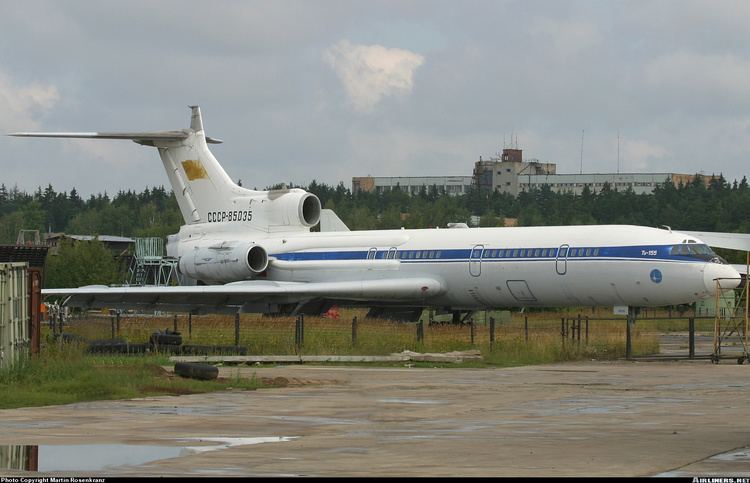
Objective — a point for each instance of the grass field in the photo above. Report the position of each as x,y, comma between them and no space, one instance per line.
65,374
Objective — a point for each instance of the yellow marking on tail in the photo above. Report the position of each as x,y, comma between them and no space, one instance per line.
194,169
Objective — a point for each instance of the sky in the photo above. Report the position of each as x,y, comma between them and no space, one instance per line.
328,90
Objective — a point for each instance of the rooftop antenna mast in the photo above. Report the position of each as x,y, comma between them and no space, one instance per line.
618,151
582,133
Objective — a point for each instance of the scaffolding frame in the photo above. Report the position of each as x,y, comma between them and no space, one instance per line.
149,266
730,325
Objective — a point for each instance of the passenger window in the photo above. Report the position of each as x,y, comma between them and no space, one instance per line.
438,253
588,252
537,253
523,253
500,253
418,255
596,252
573,252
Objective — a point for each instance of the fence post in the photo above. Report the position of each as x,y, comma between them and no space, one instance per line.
628,337
174,323
117,318
492,332
190,325
471,328
526,326
587,330
237,329
112,323
562,328
691,337
354,331
420,331
296,333
299,332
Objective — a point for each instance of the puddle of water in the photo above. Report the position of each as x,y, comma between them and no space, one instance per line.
409,401
231,442
741,455
316,420
97,457
182,411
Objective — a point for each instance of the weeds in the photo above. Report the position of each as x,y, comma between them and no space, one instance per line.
64,374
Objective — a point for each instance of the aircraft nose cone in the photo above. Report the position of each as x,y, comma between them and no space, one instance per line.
727,276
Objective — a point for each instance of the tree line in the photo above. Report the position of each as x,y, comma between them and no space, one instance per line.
718,206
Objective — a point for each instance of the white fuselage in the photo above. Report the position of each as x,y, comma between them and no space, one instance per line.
495,267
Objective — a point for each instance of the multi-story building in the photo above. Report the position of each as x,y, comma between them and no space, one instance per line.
510,173
640,183
452,185
504,173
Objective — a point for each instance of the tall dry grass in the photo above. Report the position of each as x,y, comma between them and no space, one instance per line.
276,336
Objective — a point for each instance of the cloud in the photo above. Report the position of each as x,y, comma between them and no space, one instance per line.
642,155
371,72
706,83
20,105
566,38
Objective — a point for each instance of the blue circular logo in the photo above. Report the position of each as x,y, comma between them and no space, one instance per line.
656,275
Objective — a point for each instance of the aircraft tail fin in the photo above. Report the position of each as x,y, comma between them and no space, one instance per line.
200,184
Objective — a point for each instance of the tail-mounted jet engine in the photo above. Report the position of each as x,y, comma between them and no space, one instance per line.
224,262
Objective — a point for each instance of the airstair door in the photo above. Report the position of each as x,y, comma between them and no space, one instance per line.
561,262
475,260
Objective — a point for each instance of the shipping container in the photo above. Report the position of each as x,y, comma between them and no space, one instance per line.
14,313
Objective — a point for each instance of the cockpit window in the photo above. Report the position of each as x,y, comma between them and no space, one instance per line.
696,250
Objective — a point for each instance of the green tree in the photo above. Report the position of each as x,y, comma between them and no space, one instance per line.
81,263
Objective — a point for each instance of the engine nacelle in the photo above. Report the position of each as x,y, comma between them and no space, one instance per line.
285,209
224,262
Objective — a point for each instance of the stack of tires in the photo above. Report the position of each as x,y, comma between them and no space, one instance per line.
166,341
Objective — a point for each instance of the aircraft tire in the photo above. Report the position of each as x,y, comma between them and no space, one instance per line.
165,339
196,370
111,346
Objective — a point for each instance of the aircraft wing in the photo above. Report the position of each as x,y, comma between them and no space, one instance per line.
247,295
732,241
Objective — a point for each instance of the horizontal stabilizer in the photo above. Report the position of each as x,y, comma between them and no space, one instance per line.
234,296
146,138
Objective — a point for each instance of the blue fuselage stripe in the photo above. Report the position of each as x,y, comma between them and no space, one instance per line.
641,252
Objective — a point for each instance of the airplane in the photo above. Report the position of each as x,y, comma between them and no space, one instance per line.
244,250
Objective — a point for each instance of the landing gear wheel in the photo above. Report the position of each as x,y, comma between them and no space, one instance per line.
715,359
